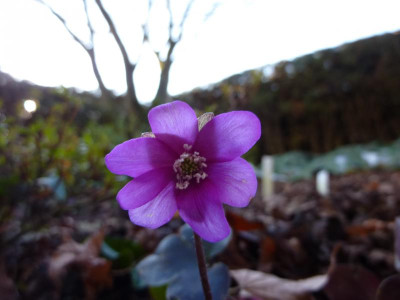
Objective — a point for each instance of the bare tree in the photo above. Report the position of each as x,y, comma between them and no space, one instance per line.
162,93
175,32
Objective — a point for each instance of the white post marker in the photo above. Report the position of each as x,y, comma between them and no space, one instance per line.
267,168
397,244
322,182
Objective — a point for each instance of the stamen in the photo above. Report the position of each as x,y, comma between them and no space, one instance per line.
189,166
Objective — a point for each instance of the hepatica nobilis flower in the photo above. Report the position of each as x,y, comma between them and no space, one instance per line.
188,165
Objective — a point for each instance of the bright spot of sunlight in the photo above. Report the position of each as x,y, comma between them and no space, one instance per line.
30,105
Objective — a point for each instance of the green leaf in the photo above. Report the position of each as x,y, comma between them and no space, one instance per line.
109,252
137,282
174,263
123,253
210,249
158,292
7,184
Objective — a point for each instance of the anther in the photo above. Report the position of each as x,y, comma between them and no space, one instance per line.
189,166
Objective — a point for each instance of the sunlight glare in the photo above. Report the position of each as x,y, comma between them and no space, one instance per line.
30,105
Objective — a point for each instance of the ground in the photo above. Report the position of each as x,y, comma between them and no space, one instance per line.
294,234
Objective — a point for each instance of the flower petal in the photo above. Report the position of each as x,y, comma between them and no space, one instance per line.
199,208
228,136
175,124
144,188
138,156
158,211
234,182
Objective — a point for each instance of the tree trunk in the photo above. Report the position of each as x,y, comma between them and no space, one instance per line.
104,91
162,92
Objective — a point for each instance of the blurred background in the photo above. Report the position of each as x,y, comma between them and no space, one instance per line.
78,77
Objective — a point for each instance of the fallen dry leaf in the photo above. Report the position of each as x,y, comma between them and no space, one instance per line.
348,282
367,227
8,289
389,288
267,250
270,287
239,223
96,270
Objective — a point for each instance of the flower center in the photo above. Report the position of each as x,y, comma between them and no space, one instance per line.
189,165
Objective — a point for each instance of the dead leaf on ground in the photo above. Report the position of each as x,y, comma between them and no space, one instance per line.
367,227
351,283
96,270
271,287
267,250
239,223
8,289
389,288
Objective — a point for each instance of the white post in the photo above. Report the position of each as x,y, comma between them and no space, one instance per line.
267,168
322,183
397,244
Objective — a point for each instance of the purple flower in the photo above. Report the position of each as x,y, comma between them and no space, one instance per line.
182,168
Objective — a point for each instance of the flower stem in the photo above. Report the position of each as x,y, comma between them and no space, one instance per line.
201,260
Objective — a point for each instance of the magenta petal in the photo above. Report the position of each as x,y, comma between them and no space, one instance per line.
144,188
228,136
175,124
138,156
158,211
203,212
234,182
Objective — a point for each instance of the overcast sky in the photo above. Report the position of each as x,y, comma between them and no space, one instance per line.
240,35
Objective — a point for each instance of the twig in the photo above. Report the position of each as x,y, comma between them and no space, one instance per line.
89,48
64,22
128,65
89,24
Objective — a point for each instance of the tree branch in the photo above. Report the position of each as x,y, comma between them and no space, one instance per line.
104,91
185,15
171,22
181,24
62,20
129,67
114,32
89,49
145,27
162,93
212,11
89,24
